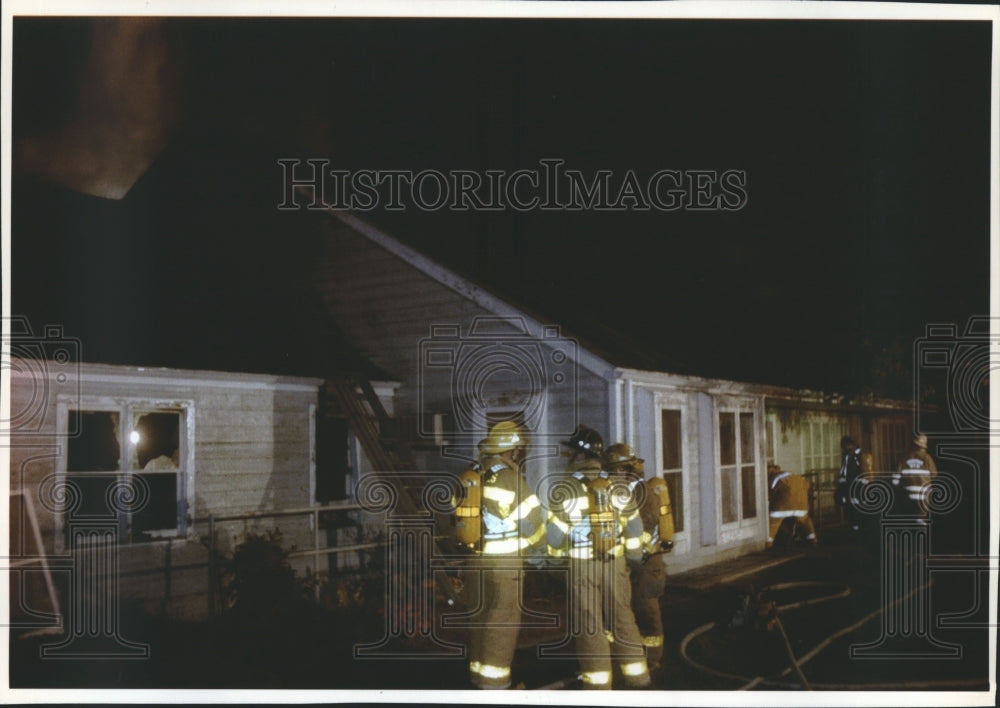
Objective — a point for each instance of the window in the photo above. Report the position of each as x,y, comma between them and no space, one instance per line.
772,432
673,462
333,468
737,466
821,445
148,479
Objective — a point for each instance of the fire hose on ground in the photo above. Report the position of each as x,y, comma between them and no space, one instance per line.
795,664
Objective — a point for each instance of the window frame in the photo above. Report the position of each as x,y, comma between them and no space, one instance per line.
662,471
675,401
831,430
129,408
743,527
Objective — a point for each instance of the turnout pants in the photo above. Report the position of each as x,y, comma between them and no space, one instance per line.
648,583
784,529
600,596
911,494
492,645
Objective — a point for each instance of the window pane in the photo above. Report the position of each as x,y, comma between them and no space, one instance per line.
93,491
332,467
160,511
748,450
749,492
96,448
671,426
730,512
673,480
727,438
155,440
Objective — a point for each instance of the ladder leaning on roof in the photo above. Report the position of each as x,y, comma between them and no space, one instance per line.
366,416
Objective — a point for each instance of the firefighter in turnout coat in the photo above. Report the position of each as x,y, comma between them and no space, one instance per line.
593,526
912,478
788,504
500,519
649,575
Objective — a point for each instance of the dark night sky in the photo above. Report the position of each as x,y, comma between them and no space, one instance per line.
865,144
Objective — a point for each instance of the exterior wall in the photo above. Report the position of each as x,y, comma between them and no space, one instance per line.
694,406
419,322
808,442
245,447
386,308
805,438
455,358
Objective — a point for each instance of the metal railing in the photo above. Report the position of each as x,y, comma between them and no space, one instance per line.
822,504
318,549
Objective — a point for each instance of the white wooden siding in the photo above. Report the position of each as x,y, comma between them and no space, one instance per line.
252,434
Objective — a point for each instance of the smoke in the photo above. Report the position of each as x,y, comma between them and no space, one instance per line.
121,112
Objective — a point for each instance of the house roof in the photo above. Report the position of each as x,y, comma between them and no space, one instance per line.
604,349
178,274
183,274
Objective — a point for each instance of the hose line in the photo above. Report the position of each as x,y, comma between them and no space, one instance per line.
796,664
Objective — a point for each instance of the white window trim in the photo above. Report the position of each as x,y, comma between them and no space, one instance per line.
832,428
742,528
675,401
126,407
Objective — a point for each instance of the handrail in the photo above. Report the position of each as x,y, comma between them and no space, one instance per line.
315,552
298,511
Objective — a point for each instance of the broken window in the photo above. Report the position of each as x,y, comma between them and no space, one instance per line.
332,458
143,489
90,455
155,454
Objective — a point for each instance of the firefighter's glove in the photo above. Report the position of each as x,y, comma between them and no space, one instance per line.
666,546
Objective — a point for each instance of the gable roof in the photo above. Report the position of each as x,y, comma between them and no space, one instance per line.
468,289
178,274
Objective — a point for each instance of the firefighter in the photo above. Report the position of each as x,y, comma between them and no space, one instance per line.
510,528
846,494
595,529
788,504
912,479
649,575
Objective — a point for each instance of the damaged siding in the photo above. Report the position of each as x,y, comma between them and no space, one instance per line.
245,446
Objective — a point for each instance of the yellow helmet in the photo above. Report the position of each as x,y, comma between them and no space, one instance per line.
621,454
504,436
